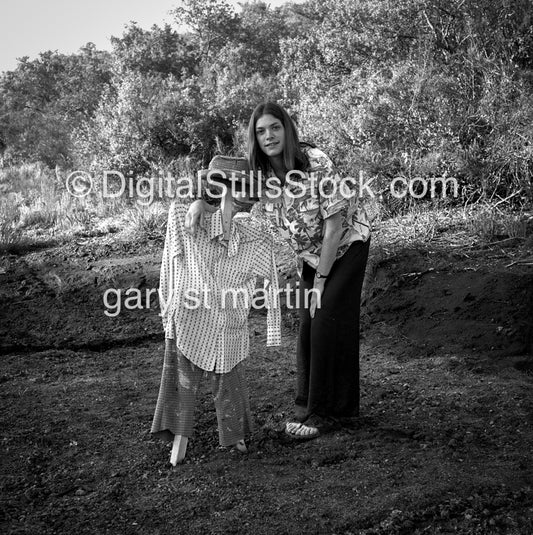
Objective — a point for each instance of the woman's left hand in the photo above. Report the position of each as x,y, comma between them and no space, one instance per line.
316,296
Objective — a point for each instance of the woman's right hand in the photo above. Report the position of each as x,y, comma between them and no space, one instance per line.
195,216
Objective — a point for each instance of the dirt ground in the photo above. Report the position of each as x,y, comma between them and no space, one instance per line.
443,445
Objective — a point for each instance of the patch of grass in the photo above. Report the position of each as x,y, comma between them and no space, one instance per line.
516,225
40,207
421,225
488,222
10,231
425,224
146,221
483,224
24,178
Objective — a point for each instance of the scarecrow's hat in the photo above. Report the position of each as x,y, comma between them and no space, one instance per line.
235,173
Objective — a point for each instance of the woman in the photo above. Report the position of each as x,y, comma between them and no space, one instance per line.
318,214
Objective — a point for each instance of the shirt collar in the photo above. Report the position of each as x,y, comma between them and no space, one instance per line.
216,232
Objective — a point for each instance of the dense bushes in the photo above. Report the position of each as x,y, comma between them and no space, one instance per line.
389,89
420,90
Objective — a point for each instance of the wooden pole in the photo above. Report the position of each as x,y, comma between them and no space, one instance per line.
226,208
179,449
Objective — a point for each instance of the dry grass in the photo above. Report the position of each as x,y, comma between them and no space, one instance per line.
146,221
10,232
36,206
489,222
473,225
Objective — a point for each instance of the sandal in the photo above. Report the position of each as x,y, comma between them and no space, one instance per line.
299,431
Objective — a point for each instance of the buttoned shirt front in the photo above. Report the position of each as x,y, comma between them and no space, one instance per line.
308,199
207,288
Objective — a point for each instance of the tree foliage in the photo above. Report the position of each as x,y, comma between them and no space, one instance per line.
419,88
416,87
159,50
43,100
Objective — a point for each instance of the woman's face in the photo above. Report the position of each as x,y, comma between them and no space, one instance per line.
270,134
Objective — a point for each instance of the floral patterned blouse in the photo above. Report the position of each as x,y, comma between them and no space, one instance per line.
307,199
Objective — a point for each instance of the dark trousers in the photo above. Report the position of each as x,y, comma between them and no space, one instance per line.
328,345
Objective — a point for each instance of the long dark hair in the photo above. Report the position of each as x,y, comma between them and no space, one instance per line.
293,157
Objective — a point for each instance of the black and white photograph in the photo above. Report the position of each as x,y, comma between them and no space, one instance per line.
266,267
